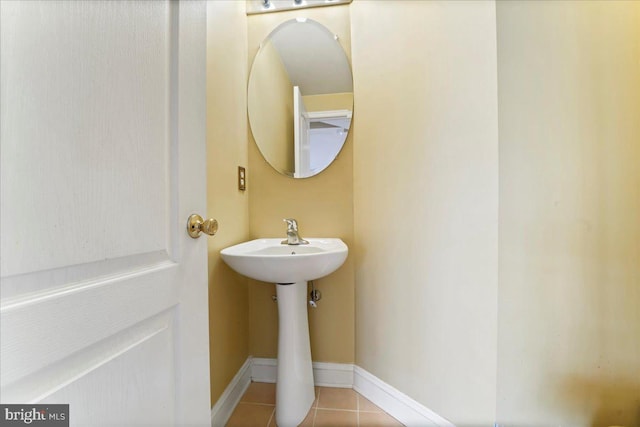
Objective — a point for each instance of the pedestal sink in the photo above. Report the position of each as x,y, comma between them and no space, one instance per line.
289,267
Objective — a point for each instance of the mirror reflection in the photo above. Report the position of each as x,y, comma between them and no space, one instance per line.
300,98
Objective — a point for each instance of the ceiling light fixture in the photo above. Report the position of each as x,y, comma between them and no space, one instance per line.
267,6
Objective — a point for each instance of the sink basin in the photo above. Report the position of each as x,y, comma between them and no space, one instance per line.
269,260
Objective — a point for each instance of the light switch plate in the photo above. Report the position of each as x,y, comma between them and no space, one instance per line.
242,179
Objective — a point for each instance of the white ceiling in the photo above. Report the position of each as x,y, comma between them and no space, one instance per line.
313,58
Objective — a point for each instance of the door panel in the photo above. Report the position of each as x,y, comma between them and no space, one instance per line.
136,402
302,146
103,294
80,315
86,122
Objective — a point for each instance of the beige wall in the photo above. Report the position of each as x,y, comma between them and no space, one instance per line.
569,294
426,201
555,313
270,108
323,206
331,101
226,150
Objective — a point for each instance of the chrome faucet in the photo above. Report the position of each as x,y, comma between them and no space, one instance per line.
292,233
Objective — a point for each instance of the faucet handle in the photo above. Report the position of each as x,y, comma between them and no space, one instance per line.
292,233
292,224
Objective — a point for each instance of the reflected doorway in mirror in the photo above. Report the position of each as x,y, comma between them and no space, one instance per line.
326,133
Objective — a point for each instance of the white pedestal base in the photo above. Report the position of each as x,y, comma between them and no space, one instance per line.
294,384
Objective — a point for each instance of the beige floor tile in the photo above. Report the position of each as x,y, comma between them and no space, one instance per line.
260,393
377,419
366,405
337,398
250,415
332,407
308,421
332,418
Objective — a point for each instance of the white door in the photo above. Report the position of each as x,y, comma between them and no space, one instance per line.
302,145
103,294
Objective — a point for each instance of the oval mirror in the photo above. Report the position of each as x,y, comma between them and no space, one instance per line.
300,98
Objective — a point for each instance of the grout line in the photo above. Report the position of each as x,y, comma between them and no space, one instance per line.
315,411
358,408
258,403
271,417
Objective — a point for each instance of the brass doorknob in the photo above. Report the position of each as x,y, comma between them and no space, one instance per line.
196,225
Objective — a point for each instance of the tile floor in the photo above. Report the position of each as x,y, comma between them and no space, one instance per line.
333,407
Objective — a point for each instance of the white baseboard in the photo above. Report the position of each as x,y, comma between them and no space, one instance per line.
229,399
264,370
324,374
394,402
333,374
